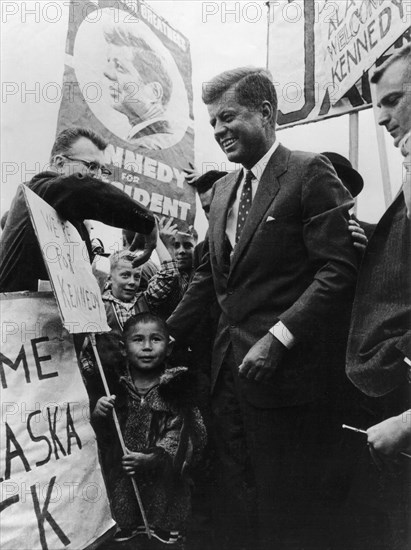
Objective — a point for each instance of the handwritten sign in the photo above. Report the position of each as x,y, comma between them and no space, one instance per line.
356,34
52,493
68,264
312,31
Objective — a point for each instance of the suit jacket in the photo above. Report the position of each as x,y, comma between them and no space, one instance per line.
294,262
380,334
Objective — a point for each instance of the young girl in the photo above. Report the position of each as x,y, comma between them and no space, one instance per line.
163,433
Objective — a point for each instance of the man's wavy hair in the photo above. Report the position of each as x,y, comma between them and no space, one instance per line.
252,86
398,55
150,65
68,137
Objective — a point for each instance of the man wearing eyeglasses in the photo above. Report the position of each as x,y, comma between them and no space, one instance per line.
73,187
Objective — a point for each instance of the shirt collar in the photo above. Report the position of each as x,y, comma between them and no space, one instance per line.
260,166
109,296
141,125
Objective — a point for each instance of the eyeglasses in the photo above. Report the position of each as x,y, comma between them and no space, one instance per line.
92,166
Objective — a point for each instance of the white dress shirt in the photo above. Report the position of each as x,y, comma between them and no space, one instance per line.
257,171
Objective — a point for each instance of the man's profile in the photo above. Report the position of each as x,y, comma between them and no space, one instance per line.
140,88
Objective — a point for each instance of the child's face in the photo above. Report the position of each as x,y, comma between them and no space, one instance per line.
125,280
147,346
184,251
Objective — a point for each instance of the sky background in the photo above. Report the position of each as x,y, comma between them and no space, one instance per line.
222,35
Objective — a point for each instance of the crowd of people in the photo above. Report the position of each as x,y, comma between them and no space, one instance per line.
226,364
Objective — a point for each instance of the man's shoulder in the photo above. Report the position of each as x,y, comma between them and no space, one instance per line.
284,158
309,166
41,178
297,155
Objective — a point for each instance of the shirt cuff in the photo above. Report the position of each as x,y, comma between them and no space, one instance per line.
281,332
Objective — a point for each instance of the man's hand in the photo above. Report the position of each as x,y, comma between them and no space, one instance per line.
263,359
191,176
167,232
359,239
150,242
392,436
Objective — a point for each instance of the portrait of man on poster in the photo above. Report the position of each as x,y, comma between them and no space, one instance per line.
140,88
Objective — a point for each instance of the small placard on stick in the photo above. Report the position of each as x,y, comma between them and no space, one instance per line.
68,264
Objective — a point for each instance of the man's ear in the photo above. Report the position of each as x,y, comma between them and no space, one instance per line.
58,161
157,90
267,112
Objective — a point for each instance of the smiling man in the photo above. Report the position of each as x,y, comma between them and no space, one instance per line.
281,264
140,87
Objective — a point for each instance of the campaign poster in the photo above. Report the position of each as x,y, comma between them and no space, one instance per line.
128,77
52,492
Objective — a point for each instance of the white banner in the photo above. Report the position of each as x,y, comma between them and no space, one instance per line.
68,264
355,34
298,34
52,491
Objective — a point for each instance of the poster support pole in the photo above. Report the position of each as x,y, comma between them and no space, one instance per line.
268,34
382,149
353,145
92,338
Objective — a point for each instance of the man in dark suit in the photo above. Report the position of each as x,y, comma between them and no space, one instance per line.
379,346
281,263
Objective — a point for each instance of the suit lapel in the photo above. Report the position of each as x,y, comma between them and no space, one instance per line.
266,192
222,200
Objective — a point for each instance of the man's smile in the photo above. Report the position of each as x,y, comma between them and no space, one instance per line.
227,143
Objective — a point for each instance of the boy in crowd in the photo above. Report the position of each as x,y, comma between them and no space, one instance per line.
135,243
123,299
163,432
181,246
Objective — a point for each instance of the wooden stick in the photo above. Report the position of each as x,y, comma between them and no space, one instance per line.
353,429
364,432
92,337
353,145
